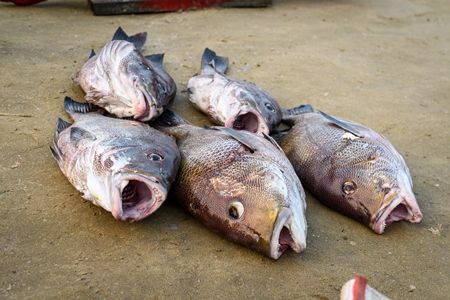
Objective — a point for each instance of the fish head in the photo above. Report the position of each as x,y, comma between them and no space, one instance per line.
260,210
256,115
140,175
235,104
371,183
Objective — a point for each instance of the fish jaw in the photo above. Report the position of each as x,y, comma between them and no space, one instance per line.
135,196
288,232
248,119
397,205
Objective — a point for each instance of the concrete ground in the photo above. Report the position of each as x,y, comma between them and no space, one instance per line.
383,63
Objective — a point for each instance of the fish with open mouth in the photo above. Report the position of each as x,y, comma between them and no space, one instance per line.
124,82
350,168
231,102
238,184
124,166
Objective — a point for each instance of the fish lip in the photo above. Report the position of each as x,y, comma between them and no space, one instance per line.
397,206
262,126
154,194
144,111
294,238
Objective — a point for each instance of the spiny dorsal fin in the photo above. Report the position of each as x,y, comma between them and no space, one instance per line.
156,59
138,39
77,134
342,124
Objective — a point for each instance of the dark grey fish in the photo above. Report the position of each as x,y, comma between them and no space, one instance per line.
124,82
124,166
231,102
239,185
350,168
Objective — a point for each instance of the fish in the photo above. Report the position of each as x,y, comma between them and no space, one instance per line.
124,82
231,102
123,166
239,185
350,168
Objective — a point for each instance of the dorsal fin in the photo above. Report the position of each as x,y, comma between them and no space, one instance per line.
237,135
138,39
156,59
62,125
77,134
342,124
272,141
304,108
218,63
92,53
56,152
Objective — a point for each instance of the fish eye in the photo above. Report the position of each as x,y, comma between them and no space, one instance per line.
154,157
349,187
269,107
236,210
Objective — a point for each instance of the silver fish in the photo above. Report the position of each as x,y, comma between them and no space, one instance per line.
239,185
124,166
350,168
124,82
231,102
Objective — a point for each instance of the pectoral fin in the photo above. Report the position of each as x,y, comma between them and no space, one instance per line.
342,124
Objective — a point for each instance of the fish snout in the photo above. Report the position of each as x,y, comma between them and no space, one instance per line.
288,232
397,205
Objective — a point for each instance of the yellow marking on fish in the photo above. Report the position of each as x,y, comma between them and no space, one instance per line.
349,136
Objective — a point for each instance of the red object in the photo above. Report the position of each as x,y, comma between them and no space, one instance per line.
359,288
23,2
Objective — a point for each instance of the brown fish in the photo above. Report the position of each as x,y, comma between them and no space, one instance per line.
124,82
239,185
350,168
124,166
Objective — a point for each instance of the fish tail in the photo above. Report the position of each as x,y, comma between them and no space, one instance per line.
138,39
218,63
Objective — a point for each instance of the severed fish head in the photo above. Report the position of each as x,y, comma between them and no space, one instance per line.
125,83
124,166
231,102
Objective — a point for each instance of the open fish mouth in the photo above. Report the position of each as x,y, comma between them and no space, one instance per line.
249,121
287,234
136,197
397,206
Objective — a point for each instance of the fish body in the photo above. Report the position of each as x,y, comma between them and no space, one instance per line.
351,169
124,166
231,102
239,185
124,82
